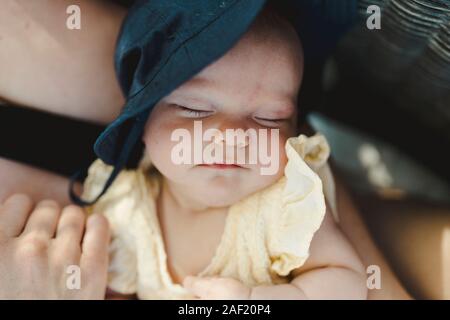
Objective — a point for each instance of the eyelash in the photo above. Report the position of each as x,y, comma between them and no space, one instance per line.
193,113
273,121
203,113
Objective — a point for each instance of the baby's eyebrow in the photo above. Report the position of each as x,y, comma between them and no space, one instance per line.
198,83
192,97
197,90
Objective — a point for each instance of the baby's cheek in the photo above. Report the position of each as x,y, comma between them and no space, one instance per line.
262,179
282,153
158,146
280,157
268,174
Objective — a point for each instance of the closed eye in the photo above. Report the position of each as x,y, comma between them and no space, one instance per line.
193,113
270,122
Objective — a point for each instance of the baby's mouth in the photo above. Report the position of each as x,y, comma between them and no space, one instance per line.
221,166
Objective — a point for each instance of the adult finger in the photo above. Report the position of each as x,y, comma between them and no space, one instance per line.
44,219
95,245
14,213
71,225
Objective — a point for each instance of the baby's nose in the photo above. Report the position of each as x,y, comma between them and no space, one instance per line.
232,138
232,133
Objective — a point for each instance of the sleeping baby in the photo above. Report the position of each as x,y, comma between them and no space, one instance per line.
220,226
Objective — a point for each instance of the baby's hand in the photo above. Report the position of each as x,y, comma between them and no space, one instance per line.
38,244
215,288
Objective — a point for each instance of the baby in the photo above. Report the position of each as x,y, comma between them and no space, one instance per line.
220,228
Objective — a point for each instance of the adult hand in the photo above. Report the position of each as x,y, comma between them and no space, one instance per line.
51,253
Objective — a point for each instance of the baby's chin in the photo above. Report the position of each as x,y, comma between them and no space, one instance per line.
217,188
214,198
226,193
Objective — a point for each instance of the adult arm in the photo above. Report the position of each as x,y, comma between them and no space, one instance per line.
51,68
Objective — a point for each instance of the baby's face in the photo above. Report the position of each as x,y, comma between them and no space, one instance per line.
254,86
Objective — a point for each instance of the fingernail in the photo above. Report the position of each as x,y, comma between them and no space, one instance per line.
17,198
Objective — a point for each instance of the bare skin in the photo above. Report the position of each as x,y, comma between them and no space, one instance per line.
39,243
51,68
357,233
20,178
351,223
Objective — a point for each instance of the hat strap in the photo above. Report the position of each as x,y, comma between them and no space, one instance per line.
130,142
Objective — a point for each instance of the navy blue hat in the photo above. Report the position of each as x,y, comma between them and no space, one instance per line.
162,44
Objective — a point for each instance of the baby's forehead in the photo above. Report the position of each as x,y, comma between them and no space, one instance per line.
260,54
267,42
253,66
262,63
276,32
